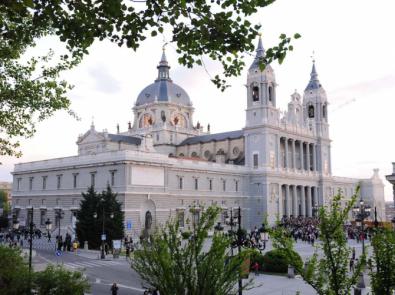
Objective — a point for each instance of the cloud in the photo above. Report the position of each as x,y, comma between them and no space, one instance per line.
364,88
104,81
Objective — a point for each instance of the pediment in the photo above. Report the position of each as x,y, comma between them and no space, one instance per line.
91,136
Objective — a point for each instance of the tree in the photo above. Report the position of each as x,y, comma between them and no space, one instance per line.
5,206
328,274
177,267
60,281
382,262
219,30
14,272
89,227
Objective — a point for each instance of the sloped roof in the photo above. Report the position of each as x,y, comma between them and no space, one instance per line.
125,138
213,137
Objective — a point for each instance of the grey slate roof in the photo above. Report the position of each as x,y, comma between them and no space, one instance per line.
125,138
213,137
260,52
165,91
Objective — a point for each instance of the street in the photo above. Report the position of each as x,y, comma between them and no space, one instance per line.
101,273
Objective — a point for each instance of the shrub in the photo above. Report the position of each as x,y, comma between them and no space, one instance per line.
60,281
186,235
256,256
14,272
276,261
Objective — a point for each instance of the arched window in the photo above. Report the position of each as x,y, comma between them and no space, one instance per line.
255,93
324,107
270,93
194,155
310,111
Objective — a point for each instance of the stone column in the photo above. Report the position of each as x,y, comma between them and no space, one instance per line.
303,201
295,201
286,152
316,197
293,155
308,156
315,157
301,156
279,152
287,202
309,201
280,202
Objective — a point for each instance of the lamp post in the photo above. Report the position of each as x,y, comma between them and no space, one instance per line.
15,224
362,212
30,213
48,226
263,235
103,235
58,215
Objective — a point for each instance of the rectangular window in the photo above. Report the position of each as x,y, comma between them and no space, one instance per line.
210,184
180,182
43,202
57,202
93,176
224,185
195,216
31,183
113,177
75,179
255,160
43,215
19,183
59,181
181,218
44,182
30,202
196,184
236,185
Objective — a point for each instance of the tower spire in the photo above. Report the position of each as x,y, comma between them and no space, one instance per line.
260,52
314,83
163,67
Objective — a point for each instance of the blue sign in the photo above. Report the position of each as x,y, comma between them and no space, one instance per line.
103,237
129,225
58,253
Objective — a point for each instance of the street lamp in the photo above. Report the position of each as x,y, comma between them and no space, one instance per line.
103,235
263,235
15,223
48,226
361,212
58,215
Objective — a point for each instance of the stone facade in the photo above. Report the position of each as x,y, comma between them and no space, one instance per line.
278,164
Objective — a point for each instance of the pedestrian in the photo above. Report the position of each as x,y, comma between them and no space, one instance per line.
351,265
353,253
75,247
127,252
114,289
49,237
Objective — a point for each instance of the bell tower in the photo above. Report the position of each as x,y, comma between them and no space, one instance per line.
315,109
261,92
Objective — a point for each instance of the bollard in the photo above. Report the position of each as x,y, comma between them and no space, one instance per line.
291,272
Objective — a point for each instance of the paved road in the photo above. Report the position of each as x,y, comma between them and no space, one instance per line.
101,273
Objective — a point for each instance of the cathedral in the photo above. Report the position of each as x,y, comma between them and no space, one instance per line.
278,165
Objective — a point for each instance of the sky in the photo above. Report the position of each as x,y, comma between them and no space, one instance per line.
353,46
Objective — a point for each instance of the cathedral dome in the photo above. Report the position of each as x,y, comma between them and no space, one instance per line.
163,89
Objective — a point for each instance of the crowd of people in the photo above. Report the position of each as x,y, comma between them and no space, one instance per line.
302,228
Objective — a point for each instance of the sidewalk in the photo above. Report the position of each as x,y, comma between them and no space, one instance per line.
282,285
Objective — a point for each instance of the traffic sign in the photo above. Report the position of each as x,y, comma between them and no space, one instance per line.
103,237
58,253
129,224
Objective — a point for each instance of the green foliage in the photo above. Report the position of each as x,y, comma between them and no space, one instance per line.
89,228
277,261
56,280
186,235
382,262
219,30
14,272
177,267
256,256
328,274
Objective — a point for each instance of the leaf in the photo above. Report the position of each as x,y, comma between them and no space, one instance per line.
297,36
154,33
